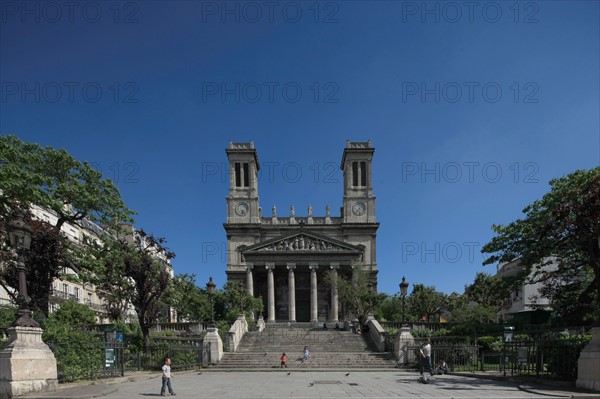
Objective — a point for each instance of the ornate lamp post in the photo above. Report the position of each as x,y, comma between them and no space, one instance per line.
210,287
20,239
403,292
27,364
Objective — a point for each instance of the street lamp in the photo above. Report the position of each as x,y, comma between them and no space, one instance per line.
210,287
403,292
20,239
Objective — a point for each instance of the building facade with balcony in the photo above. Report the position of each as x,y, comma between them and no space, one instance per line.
526,302
64,289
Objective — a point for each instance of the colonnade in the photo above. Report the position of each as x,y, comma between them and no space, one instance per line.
291,268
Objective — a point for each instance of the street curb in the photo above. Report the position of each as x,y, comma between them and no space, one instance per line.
563,394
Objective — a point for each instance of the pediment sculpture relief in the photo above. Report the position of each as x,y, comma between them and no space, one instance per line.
302,243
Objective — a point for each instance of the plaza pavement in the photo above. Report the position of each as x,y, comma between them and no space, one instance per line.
289,383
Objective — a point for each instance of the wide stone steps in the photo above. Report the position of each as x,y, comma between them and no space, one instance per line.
320,360
329,349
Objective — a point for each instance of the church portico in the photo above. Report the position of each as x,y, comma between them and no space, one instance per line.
297,291
292,263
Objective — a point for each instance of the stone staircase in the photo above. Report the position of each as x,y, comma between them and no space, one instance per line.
329,349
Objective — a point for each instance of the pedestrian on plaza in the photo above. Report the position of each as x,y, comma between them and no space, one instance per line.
166,378
425,353
305,354
283,360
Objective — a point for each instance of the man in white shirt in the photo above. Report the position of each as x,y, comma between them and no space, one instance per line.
425,352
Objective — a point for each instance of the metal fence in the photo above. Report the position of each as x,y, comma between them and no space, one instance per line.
458,357
546,357
96,360
555,357
90,361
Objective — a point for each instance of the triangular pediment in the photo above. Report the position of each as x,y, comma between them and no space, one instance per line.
302,242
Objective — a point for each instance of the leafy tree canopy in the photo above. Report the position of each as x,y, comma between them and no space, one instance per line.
53,179
563,227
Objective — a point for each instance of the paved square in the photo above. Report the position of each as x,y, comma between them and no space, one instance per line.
323,385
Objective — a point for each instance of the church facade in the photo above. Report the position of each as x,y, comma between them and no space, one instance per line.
285,260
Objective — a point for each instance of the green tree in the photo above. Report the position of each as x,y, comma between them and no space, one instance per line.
134,271
486,290
184,297
150,279
562,226
389,309
425,302
357,293
227,302
52,179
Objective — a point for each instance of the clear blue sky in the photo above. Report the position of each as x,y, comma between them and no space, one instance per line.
472,109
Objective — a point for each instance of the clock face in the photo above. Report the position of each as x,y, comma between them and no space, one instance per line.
359,208
241,208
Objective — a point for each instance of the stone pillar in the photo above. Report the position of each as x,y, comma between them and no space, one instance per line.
334,292
214,345
292,291
314,309
249,280
271,292
403,341
27,365
588,370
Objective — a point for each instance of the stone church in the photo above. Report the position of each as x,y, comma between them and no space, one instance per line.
284,259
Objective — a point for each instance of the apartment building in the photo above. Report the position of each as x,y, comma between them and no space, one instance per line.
64,289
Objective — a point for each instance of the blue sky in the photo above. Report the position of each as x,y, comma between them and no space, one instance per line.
472,109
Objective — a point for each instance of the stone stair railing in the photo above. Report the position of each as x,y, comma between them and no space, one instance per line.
236,332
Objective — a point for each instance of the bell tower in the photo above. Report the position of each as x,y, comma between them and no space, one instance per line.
359,201
242,201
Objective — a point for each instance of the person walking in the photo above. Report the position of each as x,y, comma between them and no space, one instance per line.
305,354
283,360
166,378
425,353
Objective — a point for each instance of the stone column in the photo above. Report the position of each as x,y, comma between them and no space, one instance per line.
314,309
402,344
249,280
334,292
271,292
213,344
292,291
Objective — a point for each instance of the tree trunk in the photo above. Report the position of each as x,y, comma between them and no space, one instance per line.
146,335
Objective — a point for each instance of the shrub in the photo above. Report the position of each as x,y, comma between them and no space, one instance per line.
562,355
490,343
421,332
